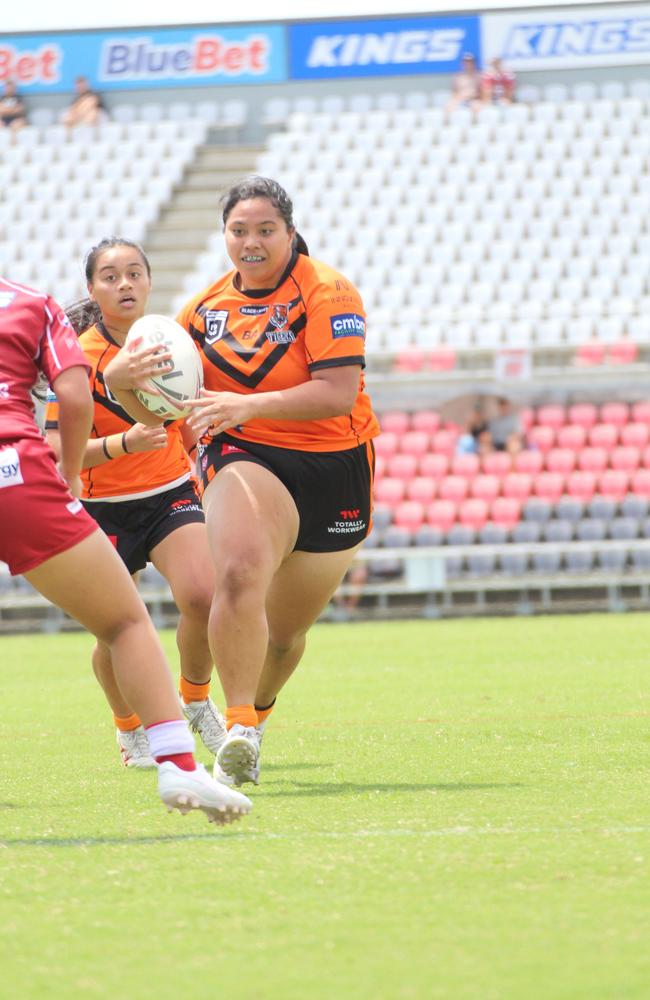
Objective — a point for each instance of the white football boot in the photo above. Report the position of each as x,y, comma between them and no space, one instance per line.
205,719
134,748
238,759
187,790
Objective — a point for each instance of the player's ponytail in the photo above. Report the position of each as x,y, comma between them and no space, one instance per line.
83,314
299,245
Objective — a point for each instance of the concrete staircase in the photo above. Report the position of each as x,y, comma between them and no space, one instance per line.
191,216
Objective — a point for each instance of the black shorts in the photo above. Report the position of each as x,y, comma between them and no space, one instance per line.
135,527
331,489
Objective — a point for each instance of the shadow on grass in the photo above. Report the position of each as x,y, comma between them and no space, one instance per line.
301,789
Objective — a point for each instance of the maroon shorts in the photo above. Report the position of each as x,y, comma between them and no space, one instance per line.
39,517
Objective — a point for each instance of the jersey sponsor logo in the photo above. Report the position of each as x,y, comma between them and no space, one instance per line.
4,390
10,474
215,324
348,325
253,310
6,298
74,506
347,525
232,449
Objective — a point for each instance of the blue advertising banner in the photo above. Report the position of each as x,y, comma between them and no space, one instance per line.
381,47
174,57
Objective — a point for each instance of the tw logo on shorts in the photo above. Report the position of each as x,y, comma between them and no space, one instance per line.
348,325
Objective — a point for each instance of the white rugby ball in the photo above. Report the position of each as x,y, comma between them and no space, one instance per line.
184,380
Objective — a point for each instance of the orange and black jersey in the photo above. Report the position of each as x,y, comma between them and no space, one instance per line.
272,339
130,476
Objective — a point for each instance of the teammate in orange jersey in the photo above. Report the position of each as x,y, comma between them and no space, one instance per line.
285,455
46,535
137,485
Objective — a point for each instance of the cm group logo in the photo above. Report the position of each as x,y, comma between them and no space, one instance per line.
348,325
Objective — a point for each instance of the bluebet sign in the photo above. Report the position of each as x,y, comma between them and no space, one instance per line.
386,47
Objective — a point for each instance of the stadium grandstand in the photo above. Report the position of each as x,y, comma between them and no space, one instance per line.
500,251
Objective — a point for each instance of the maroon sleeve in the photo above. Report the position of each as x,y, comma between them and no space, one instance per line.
59,345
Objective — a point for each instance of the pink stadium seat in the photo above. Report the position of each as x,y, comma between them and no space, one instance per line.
473,513
453,488
442,359
551,415
635,434
572,436
615,413
645,457
526,418
622,352
425,420
444,441
584,414
389,491
589,354
409,514
433,464
541,437
414,443
529,461
496,463
560,460
465,465
422,488
505,511
581,485
517,485
402,466
380,466
593,459
627,458
485,487
396,421
386,444
640,482
603,435
442,514
409,362
549,486
613,483
641,411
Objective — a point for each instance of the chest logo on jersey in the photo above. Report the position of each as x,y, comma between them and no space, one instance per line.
215,324
279,320
253,310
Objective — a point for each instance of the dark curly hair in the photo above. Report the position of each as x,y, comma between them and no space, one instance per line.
263,187
84,313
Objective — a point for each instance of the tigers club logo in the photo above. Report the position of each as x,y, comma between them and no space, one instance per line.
279,319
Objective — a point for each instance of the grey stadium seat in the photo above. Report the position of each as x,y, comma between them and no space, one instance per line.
537,509
427,534
591,529
624,528
547,561
641,559
602,507
558,531
580,560
612,560
460,534
526,531
569,509
481,563
493,534
513,563
634,506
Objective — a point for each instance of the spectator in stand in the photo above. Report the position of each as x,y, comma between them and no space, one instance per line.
13,113
497,84
476,439
505,428
466,88
87,108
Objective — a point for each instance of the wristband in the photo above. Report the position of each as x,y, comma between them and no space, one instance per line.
106,451
124,447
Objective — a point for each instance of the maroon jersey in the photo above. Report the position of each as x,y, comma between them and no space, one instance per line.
35,339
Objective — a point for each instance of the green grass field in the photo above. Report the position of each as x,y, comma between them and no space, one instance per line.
447,809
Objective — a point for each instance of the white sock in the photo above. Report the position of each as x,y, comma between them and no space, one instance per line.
169,738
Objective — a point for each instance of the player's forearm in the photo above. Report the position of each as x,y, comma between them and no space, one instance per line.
129,402
75,423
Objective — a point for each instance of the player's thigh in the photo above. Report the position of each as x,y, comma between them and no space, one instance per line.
183,558
252,521
301,589
91,583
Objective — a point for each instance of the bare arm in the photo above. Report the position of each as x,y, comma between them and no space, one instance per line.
331,392
75,421
131,368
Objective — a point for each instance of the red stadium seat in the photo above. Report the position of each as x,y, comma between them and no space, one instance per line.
641,411
380,466
572,436
422,488
496,463
526,418
426,420
409,362
584,414
505,511
613,483
603,435
635,434
473,512
589,354
645,457
433,464
517,485
396,421
409,514
465,465
414,443
625,457
485,487
552,415
453,488
549,486
615,413
386,444
593,459
529,461
561,460
389,491
402,466
581,485
541,437
444,441
640,482
622,352
442,514
442,359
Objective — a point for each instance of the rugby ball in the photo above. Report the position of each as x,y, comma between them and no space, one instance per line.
184,380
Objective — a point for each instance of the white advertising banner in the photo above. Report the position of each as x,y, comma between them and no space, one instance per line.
569,37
